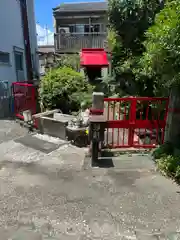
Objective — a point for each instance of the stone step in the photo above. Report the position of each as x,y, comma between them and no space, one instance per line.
43,149
29,147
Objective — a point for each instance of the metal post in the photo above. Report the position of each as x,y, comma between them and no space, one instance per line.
132,122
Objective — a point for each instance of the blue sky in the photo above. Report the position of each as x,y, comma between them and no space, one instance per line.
43,12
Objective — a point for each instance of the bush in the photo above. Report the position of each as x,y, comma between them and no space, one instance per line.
170,166
177,175
65,89
164,150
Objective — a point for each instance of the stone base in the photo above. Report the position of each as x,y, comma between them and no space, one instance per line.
53,123
77,136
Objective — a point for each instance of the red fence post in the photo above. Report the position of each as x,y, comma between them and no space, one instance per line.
24,95
132,121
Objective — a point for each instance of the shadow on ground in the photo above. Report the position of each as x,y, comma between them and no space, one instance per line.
105,161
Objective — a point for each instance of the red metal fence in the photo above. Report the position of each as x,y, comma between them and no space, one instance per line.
135,121
24,95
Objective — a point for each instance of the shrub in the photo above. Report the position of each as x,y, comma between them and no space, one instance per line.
177,175
164,150
170,166
65,89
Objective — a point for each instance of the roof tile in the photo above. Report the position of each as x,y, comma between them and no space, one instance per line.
82,6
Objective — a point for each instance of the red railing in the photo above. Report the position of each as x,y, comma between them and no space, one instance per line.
24,95
135,121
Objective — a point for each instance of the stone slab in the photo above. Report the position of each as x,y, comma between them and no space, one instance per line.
47,113
38,144
62,117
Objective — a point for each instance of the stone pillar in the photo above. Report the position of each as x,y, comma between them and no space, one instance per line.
97,103
96,110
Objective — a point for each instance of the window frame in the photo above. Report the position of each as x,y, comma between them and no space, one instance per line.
19,53
8,55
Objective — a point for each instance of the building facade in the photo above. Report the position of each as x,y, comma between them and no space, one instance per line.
46,58
18,41
80,25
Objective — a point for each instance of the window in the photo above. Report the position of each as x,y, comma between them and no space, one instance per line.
72,28
80,28
19,60
4,57
95,28
84,28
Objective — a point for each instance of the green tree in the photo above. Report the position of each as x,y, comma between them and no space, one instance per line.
71,61
129,20
162,55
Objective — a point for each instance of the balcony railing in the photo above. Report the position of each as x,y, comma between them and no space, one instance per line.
74,42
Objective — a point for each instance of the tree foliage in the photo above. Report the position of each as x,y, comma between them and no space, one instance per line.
69,60
129,20
65,89
162,56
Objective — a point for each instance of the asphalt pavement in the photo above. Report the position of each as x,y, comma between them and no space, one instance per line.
46,192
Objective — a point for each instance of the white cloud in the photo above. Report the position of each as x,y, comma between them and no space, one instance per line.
44,37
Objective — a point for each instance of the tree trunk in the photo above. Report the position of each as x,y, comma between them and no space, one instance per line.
172,131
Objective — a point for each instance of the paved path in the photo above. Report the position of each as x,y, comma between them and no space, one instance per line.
52,196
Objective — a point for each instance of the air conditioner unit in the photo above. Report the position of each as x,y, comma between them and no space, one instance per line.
63,30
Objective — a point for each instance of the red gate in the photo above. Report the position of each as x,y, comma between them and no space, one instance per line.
137,122
24,95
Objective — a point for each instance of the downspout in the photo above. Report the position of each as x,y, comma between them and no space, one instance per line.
23,6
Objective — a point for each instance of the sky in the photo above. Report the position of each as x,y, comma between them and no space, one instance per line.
44,19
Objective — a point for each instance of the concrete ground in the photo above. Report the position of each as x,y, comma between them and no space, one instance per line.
60,196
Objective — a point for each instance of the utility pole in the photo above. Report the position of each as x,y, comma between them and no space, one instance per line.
25,22
47,34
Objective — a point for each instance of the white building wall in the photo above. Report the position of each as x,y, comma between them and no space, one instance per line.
33,35
11,35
